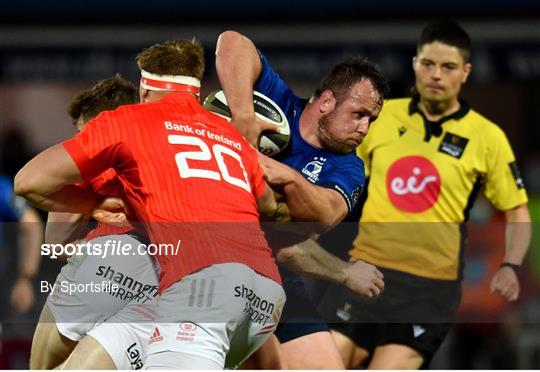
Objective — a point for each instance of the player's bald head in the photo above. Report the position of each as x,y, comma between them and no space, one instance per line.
173,57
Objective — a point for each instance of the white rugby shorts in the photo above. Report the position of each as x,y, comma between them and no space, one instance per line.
214,318
127,279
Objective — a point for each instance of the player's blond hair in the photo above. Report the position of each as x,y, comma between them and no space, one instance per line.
173,57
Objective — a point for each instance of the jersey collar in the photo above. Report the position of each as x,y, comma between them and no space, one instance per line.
435,127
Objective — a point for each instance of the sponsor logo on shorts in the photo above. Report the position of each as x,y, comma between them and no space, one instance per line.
258,310
156,336
134,355
130,288
186,332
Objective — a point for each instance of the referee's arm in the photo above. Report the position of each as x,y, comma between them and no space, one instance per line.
518,239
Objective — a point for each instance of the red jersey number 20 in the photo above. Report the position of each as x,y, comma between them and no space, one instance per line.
205,154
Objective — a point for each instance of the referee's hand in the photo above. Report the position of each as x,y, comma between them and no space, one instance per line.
505,282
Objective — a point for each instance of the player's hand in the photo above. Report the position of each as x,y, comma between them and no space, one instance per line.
505,282
251,127
364,279
22,295
275,173
112,211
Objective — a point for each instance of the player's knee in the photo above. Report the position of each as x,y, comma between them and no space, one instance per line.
313,351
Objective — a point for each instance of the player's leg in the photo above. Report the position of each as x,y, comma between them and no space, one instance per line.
305,338
268,356
72,315
61,323
313,351
417,324
88,354
396,356
49,346
351,354
121,341
115,344
346,315
408,345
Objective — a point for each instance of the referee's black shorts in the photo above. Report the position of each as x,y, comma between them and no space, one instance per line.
411,311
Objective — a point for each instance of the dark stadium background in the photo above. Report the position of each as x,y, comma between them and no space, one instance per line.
49,51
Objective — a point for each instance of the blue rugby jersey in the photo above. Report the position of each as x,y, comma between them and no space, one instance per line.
11,206
341,172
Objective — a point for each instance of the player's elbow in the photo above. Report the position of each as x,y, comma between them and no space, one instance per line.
232,45
326,223
332,217
24,183
229,38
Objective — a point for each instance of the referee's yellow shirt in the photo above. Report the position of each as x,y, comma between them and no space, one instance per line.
423,178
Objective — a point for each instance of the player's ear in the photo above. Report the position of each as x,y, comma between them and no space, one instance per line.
467,67
327,102
143,94
414,62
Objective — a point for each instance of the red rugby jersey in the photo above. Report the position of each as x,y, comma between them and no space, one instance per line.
190,177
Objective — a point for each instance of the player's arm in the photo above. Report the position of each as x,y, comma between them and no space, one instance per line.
306,201
271,209
310,259
64,227
30,239
517,241
47,181
68,227
238,67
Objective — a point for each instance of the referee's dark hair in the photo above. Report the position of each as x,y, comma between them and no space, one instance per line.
449,33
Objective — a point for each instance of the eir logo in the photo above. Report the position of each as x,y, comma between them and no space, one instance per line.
413,184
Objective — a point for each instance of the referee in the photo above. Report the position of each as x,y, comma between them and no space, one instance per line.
427,157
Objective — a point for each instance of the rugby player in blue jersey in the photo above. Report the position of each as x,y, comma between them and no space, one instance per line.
14,209
325,132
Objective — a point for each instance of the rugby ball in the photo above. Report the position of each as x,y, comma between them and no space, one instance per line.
271,143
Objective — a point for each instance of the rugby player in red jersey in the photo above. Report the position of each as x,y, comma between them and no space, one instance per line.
66,318
193,179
